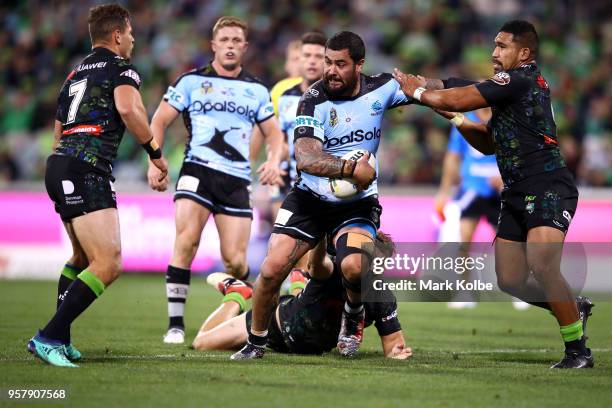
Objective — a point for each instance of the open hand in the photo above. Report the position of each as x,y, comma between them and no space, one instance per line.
408,82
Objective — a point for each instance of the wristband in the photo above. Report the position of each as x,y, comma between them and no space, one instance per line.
458,119
342,169
152,149
418,92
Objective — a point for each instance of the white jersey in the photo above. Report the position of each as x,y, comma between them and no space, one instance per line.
346,124
219,113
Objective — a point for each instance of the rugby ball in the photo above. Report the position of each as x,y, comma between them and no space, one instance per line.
343,188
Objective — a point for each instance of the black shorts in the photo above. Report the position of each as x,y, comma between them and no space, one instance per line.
483,206
77,188
547,199
275,338
306,217
219,192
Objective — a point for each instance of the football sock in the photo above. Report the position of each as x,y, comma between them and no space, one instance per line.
67,276
573,336
353,308
258,340
235,297
81,293
296,285
177,288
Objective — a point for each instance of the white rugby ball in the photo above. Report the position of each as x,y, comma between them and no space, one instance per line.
343,188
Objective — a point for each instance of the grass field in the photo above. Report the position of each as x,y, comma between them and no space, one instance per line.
490,356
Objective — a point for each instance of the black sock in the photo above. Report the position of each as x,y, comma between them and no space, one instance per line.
62,289
259,341
67,276
177,288
576,345
77,299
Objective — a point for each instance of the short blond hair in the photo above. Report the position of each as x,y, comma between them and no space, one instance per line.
293,45
228,21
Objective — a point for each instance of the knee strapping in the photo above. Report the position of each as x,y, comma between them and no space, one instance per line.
354,243
352,286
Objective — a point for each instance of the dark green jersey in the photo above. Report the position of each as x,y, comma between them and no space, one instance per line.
522,124
311,321
91,126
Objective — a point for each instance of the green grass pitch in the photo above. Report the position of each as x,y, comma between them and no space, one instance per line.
490,356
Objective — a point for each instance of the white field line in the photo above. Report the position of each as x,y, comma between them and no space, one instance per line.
179,357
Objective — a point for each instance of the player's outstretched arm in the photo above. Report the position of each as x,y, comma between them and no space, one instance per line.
394,346
270,172
476,134
162,118
461,99
312,159
132,111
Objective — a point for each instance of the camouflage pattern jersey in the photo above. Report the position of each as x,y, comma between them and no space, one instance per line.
91,126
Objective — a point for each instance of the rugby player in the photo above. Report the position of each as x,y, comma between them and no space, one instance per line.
312,58
338,114
307,323
540,197
220,104
98,100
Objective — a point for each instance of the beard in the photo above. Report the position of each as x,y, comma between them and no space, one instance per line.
347,88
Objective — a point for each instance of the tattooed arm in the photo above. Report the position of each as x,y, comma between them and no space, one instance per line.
312,159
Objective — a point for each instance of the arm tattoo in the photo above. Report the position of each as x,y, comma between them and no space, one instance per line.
434,84
313,160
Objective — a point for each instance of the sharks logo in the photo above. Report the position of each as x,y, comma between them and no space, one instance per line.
222,148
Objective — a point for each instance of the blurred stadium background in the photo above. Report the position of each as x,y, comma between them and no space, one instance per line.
41,40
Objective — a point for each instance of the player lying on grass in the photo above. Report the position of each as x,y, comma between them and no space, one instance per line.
305,322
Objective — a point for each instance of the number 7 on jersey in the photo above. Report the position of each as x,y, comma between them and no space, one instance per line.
78,89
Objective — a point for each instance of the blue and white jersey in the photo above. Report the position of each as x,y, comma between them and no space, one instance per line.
476,168
287,110
346,124
219,113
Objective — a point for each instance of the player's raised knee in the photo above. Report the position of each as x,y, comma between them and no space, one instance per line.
273,268
351,267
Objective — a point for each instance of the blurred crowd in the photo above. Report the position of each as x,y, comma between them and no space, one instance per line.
40,41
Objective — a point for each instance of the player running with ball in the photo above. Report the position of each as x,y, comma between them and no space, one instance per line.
337,115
